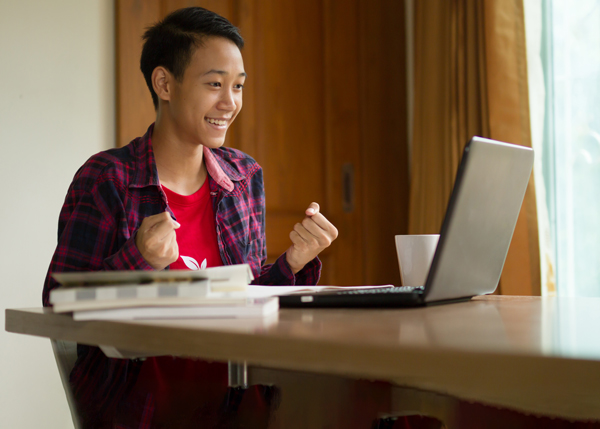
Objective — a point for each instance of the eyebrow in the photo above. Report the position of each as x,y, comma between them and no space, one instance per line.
222,73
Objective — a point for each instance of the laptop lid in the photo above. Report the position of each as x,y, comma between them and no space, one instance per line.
480,220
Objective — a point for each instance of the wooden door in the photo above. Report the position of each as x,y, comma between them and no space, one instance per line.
324,115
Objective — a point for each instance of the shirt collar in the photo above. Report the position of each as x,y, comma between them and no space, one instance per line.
216,171
146,173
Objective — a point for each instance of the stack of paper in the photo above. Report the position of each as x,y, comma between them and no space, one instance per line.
110,295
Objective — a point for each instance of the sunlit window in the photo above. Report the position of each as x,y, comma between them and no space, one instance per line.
565,107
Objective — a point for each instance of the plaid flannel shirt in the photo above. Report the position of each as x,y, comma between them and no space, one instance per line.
109,197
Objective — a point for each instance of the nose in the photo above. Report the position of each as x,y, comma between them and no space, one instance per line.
227,101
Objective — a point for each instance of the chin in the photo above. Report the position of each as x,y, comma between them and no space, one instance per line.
213,143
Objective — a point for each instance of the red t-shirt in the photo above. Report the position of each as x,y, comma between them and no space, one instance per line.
181,388
197,236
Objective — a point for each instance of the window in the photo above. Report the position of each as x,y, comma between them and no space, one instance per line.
563,42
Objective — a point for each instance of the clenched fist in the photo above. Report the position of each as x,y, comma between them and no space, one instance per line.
156,240
310,237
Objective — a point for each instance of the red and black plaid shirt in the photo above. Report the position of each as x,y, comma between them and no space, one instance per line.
109,197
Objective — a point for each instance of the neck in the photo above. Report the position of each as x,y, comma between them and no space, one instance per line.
180,164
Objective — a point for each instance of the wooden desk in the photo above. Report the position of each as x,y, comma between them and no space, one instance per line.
533,354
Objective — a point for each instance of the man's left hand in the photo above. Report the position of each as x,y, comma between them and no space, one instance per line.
310,237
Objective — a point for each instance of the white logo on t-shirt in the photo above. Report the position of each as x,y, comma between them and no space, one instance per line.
192,264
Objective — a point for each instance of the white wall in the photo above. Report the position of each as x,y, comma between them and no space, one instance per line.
56,109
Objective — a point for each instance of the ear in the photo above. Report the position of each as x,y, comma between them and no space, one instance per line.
161,82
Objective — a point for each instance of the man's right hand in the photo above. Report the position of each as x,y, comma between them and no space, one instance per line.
156,240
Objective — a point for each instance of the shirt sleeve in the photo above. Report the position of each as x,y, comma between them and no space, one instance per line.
280,274
93,234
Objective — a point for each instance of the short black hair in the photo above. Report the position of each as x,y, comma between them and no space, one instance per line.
171,42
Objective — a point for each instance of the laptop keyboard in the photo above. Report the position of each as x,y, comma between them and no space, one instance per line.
388,297
379,290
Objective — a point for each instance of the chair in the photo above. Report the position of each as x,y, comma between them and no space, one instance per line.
65,353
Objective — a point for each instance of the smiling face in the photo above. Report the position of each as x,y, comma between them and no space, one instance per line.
205,102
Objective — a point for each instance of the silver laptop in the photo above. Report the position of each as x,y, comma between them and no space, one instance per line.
476,233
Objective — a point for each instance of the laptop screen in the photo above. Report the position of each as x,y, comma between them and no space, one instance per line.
480,219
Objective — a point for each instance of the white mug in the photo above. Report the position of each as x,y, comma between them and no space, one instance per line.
415,253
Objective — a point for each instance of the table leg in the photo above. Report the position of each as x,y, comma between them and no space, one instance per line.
237,374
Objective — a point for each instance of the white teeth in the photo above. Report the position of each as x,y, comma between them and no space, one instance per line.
216,121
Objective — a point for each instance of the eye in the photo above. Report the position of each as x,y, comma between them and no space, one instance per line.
239,86
215,84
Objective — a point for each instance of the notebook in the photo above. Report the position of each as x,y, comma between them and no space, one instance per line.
475,236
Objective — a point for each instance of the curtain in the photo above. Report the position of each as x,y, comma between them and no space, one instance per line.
470,72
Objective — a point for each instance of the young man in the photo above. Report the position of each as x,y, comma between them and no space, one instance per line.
175,198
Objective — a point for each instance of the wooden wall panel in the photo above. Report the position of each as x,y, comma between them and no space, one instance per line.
384,141
289,112
222,7
343,154
135,111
